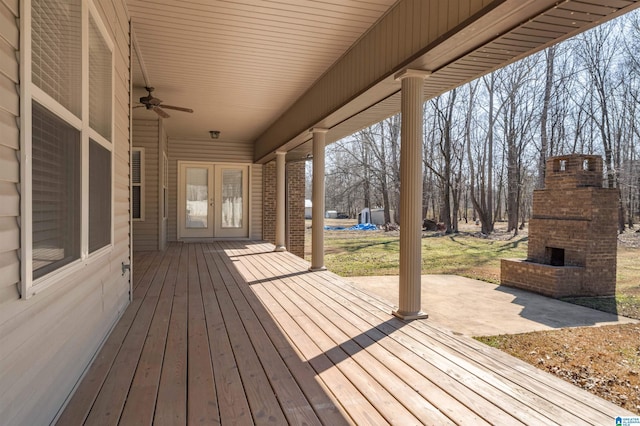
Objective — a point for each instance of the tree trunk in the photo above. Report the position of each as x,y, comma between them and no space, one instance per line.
544,133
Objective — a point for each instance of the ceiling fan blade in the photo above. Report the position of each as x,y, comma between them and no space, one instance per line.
160,112
139,106
176,108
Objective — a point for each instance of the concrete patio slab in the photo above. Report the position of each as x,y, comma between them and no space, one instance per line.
476,308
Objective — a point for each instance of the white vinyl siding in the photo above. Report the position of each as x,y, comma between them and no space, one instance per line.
9,165
49,340
146,137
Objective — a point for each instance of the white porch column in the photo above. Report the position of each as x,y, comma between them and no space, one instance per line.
281,207
317,199
411,194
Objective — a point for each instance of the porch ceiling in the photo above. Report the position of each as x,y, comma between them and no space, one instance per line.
240,63
247,67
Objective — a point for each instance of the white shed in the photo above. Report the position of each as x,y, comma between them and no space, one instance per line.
307,209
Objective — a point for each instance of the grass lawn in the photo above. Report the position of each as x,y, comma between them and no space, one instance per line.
377,253
371,253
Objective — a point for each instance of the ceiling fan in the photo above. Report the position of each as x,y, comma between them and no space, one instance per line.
155,104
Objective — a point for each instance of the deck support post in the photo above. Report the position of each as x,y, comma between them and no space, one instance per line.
317,198
411,194
281,207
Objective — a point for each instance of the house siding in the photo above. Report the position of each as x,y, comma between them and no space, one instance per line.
214,151
146,134
9,155
49,339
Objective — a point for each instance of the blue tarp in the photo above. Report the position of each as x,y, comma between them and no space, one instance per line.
359,227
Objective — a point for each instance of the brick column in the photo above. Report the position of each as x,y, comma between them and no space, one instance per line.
411,194
269,202
317,212
295,207
280,200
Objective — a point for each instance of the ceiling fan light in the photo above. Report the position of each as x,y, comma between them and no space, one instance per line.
215,134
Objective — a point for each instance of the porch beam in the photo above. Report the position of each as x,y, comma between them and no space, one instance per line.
412,82
280,201
317,199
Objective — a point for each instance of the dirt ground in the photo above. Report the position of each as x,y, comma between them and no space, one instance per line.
603,360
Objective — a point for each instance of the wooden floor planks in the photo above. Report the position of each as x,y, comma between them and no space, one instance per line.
232,332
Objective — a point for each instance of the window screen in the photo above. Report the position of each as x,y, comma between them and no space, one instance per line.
57,51
56,192
99,196
136,183
99,82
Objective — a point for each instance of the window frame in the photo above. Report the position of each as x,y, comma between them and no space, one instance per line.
29,93
141,184
165,186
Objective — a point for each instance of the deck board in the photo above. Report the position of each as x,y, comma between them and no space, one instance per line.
294,404
232,332
232,401
202,403
141,398
171,406
388,355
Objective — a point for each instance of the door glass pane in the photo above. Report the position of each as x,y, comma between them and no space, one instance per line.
232,202
197,197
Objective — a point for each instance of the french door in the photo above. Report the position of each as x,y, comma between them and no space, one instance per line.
213,200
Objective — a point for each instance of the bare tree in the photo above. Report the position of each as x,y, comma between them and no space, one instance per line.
550,55
517,96
486,143
445,166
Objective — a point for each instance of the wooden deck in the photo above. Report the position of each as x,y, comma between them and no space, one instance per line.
232,332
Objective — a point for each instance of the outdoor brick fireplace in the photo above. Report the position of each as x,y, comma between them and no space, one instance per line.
572,234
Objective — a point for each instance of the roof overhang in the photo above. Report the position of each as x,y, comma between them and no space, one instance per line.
499,34
265,72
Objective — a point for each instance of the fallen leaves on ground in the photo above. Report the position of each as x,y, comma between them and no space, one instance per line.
602,360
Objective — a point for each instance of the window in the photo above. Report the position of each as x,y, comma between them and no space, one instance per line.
55,184
165,187
137,183
99,196
68,120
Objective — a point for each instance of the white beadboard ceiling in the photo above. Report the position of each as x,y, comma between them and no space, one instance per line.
240,63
